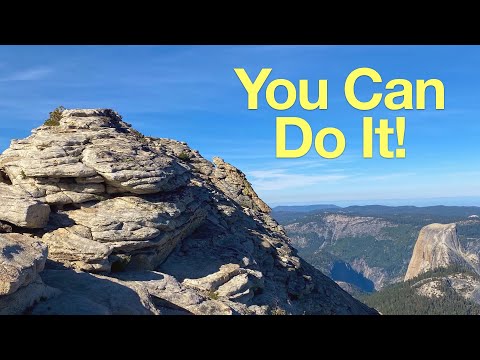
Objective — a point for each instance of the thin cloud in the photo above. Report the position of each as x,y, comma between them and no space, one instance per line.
383,177
278,179
36,73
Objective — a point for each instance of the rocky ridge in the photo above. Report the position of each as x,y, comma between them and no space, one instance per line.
140,225
465,285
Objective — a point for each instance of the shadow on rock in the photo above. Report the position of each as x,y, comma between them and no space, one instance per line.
84,293
10,250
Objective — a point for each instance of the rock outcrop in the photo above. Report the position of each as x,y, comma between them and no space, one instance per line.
442,286
22,258
19,208
140,225
437,246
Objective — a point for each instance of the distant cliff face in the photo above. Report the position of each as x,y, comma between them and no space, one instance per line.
332,227
372,247
442,278
437,246
140,225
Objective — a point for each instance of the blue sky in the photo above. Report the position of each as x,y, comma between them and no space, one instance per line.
191,93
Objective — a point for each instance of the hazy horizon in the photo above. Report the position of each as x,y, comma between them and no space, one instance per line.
420,202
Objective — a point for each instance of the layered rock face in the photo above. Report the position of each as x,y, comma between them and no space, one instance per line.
437,246
139,225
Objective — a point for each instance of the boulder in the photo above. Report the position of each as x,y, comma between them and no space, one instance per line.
19,208
21,260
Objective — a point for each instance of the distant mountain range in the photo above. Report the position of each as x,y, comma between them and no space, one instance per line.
305,208
367,249
438,210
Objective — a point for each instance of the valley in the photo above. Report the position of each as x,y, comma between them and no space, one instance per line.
367,251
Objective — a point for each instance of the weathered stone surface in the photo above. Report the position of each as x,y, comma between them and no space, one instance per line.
19,208
241,285
231,281
235,185
26,297
437,246
170,296
21,259
123,204
89,294
134,167
211,282
136,232
66,164
73,247
139,293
